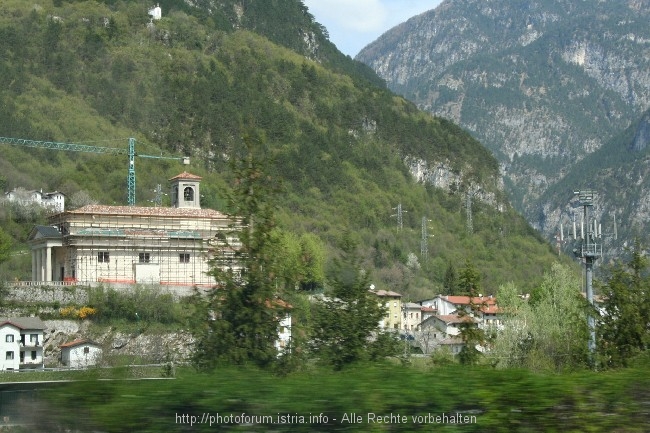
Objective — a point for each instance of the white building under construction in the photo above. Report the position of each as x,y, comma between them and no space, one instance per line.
131,244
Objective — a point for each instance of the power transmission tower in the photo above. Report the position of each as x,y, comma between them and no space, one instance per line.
424,242
400,212
468,210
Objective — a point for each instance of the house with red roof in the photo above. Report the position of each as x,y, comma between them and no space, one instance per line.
80,353
483,308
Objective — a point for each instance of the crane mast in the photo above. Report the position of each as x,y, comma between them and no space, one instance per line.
73,147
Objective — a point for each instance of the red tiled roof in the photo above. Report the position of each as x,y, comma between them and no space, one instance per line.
97,209
186,175
490,309
428,309
78,342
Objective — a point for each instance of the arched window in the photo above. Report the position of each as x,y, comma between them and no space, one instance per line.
188,194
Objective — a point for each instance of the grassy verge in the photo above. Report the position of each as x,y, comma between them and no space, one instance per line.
448,398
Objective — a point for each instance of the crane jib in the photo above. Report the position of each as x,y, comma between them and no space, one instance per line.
73,147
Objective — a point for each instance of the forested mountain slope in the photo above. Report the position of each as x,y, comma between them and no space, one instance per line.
210,73
541,84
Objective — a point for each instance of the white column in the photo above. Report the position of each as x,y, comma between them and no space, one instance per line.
42,264
48,263
38,255
34,265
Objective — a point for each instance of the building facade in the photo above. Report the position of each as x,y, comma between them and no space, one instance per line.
132,244
393,303
80,353
54,201
21,343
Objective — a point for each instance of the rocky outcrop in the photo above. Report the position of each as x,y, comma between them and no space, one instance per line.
542,84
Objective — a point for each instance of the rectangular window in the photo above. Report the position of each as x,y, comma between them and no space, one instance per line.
86,350
33,355
33,338
9,338
103,257
9,355
144,257
184,258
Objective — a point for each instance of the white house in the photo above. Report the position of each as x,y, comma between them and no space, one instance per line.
412,316
453,344
21,343
155,13
393,303
80,353
283,342
55,201
447,324
484,308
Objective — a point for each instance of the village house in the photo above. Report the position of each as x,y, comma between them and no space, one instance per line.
393,303
412,316
483,308
21,343
131,244
54,201
447,324
80,353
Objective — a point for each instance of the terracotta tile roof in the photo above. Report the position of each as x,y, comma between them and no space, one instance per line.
428,309
78,342
96,209
186,175
490,309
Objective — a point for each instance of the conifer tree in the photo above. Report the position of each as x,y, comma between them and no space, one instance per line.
345,324
239,318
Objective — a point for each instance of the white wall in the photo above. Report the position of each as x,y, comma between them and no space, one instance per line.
80,356
14,347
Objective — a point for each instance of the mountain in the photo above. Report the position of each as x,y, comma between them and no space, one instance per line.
542,84
210,75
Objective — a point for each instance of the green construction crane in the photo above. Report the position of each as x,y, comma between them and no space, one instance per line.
130,182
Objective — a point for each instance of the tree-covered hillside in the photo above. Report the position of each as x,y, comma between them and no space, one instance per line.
202,78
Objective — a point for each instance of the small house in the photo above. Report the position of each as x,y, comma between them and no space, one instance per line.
80,353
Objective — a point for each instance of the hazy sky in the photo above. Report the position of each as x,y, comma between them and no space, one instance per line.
353,24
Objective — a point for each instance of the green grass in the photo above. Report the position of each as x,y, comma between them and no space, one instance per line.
500,400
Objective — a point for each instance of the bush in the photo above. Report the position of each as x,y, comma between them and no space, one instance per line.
140,304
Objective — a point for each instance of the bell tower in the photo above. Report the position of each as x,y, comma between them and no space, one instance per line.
185,191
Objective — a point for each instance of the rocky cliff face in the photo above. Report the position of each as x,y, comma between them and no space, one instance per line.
542,84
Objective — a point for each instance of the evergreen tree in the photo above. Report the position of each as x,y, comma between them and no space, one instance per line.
624,328
469,280
470,333
345,323
450,280
240,317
